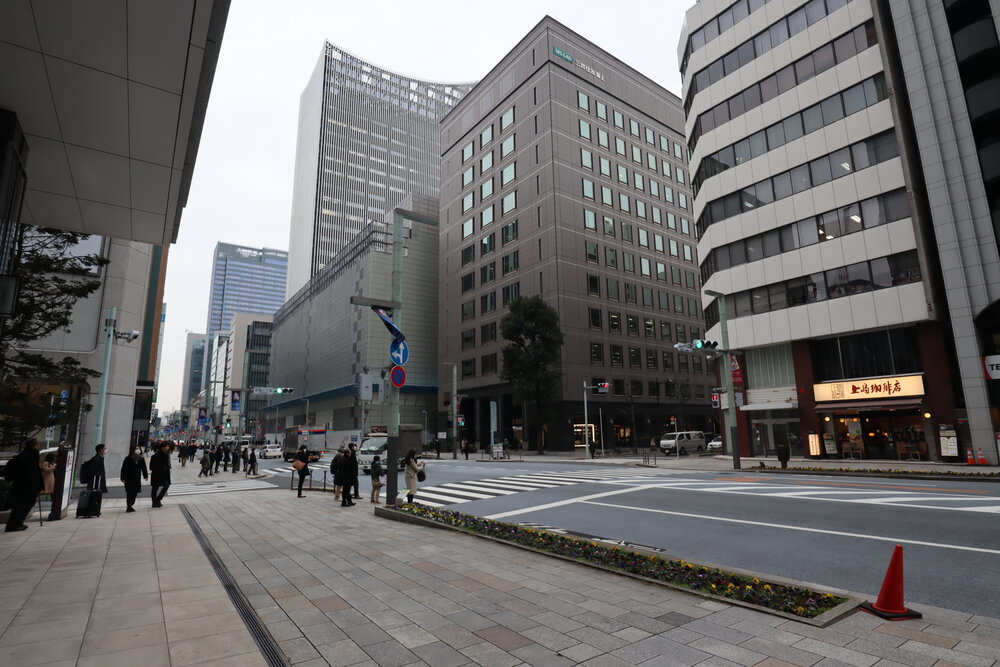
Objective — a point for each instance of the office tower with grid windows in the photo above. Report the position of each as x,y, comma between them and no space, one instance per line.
844,159
367,138
564,175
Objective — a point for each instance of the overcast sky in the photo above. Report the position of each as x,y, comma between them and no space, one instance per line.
242,185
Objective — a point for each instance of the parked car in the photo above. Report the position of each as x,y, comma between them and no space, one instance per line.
688,441
715,444
270,451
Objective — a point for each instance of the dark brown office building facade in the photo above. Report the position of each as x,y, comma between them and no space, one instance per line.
564,174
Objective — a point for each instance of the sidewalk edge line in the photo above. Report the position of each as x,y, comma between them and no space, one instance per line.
269,649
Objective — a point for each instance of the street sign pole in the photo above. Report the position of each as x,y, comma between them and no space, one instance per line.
392,441
728,376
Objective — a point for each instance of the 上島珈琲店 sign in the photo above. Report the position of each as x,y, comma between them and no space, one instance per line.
887,387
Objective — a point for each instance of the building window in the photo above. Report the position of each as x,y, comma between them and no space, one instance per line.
586,159
488,333
509,232
509,262
468,282
613,289
507,147
589,219
486,136
637,181
511,292
619,120
488,302
605,167
509,203
588,188
486,217
635,387
609,226
628,262
467,176
486,189
595,318
468,310
602,138
468,368
489,363
636,154
597,354
467,151
468,338
634,357
606,197
614,322
633,127
617,355
632,322
626,232
486,162
488,273
630,293
507,119
585,129
619,146
651,360
508,174
643,237
644,267
591,250
468,201
487,245
583,100
622,174
468,254
654,388
649,327
602,110
668,360
650,137
593,285
610,257
468,227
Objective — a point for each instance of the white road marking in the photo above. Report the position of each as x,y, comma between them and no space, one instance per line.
766,524
474,487
570,501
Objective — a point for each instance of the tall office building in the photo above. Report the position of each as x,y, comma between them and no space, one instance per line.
194,366
367,138
244,280
564,175
845,159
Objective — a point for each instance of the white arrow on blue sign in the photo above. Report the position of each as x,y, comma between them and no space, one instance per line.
399,352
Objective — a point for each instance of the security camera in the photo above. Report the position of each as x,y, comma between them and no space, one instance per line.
131,335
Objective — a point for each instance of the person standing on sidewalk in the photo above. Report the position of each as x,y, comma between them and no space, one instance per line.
217,457
225,459
48,467
252,462
206,464
412,468
377,474
159,468
132,473
95,477
354,472
25,476
245,459
347,467
335,471
301,464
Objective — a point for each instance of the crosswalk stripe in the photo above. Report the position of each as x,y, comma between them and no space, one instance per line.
423,493
559,481
506,485
475,487
524,482
456,490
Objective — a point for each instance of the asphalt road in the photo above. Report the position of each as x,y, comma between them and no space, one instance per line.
831,531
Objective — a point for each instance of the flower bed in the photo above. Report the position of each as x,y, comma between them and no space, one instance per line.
800,602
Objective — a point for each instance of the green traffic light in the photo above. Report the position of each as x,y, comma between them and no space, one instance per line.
279,390
698,344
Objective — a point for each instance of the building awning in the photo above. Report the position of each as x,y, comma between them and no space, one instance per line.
774,405
870,406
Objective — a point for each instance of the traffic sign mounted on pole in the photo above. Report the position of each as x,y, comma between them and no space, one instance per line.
399,352
397,376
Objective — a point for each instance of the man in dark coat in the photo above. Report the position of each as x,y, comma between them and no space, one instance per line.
348,476
217,455
93,474
133,471
159,470
354,471
25,476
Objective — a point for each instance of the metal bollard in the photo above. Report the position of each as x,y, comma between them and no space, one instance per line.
324,480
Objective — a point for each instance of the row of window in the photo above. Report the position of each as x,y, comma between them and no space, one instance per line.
717,25
876,274
608,225
486,136
847,102
507,174
488,302
488,365
778,32
508,233
652,162
849,219
488,215
601,109
488,272
624,203
830,54
670,388
617,355
842,162
638,180
631,293
592,252
646,327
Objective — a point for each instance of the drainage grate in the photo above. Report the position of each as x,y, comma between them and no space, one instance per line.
268,647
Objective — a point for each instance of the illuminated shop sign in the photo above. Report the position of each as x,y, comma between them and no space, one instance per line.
568,57
888,387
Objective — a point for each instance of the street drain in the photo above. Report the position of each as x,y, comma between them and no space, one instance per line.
265,642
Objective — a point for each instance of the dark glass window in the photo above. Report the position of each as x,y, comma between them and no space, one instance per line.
832,109
854,99
759,300
782,185
777,296
881,273
859,278
764,192
776,135
800,178
772,243
905,268
792,127
897,205
805,69
819,170
812,118
823,58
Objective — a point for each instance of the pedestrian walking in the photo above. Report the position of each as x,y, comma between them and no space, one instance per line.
159,470
25,476
335,471
245,460
412,468
132,473
225,459
48,467
217,456
377,474
348,470
252,470
94,478
206,465
301,463
465,448
437,447
236,458
182,454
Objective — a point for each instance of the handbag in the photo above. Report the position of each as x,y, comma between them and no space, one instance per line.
421,475
298,465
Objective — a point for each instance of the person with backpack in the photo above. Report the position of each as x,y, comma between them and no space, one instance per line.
25,476
159,469
94,478
132,473
377,474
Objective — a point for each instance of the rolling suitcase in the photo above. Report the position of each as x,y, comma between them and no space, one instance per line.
89,503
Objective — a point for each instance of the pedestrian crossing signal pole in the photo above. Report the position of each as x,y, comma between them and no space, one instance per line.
727,366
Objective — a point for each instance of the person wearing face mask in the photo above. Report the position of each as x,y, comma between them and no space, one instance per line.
133,471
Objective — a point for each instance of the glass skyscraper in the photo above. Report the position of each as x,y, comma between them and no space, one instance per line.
367,137
244,280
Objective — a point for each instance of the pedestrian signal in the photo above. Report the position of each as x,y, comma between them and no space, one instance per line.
602,387
715,399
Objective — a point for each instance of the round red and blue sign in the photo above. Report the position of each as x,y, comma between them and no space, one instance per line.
397,376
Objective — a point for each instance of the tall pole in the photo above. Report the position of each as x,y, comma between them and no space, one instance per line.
392,441
728,376
102,396
586,424
454,411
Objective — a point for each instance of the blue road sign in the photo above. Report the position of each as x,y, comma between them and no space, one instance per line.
397,376
399,352
386,317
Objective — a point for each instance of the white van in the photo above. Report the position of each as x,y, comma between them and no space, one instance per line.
688,441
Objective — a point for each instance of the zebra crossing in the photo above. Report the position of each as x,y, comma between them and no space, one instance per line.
322,464
453,493
870,493
195,488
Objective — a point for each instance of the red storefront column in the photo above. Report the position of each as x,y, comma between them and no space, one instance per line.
939,392
804,381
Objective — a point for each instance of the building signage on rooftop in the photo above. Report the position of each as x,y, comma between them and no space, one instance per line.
888,387
568,57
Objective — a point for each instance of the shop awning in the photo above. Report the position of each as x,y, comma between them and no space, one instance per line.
774,405
870,406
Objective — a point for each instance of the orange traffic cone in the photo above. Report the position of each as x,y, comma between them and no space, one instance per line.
890,599
982,458
970,458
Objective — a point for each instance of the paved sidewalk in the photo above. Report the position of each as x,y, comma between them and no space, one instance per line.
339,586
122,589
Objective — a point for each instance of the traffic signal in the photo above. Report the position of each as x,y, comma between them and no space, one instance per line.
715,399
461,420
229,423
284,390
602,387
700,344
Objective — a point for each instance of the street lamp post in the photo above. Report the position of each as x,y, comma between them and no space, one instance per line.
728,376
111,335
454,407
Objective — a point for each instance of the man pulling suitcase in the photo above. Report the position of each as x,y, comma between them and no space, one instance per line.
92,476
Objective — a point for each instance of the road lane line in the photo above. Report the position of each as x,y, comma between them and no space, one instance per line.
570,501
907,487
798,528
473,487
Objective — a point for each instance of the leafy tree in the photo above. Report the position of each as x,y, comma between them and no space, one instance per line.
53,278
531,357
